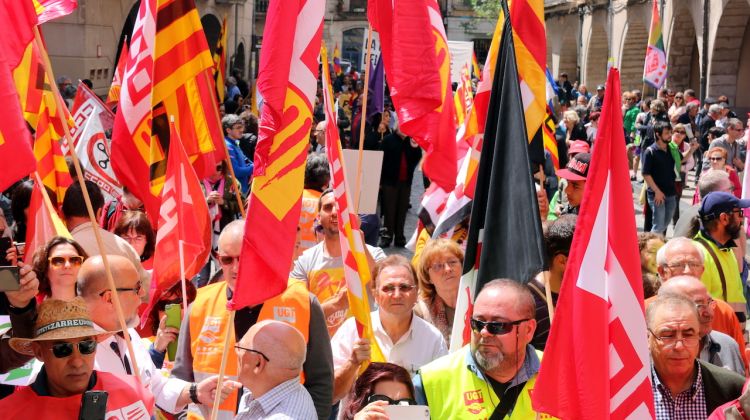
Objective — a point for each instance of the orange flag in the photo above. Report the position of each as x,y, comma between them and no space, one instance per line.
44,222
114,90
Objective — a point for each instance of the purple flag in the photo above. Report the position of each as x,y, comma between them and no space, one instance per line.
375,90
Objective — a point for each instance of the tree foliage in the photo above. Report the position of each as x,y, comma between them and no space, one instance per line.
488,9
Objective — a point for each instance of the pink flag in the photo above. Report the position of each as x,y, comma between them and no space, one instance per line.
601,368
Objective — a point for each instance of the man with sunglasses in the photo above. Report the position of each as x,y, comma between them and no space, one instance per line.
65,340
494,376
683,386
403,338
270,358
171,394
721,224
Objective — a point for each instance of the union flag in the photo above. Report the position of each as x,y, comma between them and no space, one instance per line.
114,90
220,61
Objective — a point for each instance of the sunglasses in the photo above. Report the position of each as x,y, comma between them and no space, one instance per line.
63,350
390,401
495,328
59,262
228,259
716,159
237,346
402,288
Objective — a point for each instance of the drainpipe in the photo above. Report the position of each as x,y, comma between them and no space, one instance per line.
704,51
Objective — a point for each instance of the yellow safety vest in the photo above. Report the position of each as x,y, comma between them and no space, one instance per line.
454,392
209,325
711,278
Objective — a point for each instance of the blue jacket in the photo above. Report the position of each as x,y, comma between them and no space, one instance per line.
242,166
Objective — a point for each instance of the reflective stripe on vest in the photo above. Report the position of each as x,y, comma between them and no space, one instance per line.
453,391
208,325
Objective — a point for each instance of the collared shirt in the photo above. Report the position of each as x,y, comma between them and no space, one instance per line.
420,345
287,400
687,405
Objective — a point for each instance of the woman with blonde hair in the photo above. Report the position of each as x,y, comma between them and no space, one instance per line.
439,274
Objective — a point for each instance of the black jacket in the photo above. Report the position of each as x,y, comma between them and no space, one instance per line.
720,385
394,147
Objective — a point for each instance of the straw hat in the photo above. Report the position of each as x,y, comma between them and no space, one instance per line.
60,320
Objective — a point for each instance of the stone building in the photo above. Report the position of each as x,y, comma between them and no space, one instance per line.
713,59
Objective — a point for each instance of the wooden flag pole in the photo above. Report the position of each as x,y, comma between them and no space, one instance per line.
87,200
362,118
548,295
223,367
228,161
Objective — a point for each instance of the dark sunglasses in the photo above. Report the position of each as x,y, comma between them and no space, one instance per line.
495,328
63,350
228,259
59,262
390,401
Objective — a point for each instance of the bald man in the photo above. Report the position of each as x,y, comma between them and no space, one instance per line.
112,356
200,345
716,347
270,358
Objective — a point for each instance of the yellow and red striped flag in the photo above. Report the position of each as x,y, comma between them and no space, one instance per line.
357,270
464,97
475,65
51,167
287,81
530,40
43,221
220,61
114,90
169,34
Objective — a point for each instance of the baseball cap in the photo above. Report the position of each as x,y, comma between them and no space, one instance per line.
717,202
577,169
709,100
600,87
578,146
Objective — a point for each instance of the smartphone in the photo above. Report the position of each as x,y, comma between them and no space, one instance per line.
93,405
407,412
21,249
10,279
174,318
5,244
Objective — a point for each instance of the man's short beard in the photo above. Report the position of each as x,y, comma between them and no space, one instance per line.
490,363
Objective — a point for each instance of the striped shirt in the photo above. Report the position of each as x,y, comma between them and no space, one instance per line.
687,405
287,400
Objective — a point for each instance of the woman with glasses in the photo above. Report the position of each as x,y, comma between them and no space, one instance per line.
717,159
381,384
439,273
56,266
136,229
677,108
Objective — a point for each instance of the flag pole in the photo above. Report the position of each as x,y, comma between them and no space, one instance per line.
229,162
182,276
99,243
362,118
222,368
548,295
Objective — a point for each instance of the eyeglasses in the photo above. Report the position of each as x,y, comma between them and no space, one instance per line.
678,97
669,341
59,262
680,132
228,259
136,289
403,288
495,328
710,304
390,401
63,350
237,346
439,265
692,265
715,159
136,238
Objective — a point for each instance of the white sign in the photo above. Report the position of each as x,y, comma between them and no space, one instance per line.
461,52
372,164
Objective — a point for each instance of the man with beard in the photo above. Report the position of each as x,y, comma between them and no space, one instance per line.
721,222
492,377
659,174
112,356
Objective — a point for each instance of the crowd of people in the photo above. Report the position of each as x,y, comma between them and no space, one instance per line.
299,355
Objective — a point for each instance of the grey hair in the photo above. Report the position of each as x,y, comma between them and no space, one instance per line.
691,106
735,122
711,181
661,257
715,109
669,300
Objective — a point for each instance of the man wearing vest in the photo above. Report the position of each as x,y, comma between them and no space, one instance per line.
201,342
721,224
494,376
65,340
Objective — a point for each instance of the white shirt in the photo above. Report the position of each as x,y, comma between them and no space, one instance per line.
420,345
166,391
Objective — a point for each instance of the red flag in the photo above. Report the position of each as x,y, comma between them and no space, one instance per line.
599,321
114,90
44,222
287,81
17,20
85,105
420,84
183,217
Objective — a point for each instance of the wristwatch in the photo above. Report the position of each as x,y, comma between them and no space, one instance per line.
194,393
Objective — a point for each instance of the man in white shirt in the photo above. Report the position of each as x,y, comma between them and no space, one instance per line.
404,339
170,394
